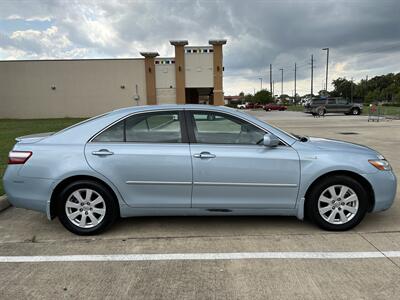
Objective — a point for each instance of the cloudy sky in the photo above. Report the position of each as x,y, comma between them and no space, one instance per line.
363,36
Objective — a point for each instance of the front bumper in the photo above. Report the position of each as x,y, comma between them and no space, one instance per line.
26,192
384,184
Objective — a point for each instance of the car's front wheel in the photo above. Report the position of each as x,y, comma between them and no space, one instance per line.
337,203
355,111
86,207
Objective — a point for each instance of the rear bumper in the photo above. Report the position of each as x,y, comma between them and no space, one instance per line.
384,185
26,192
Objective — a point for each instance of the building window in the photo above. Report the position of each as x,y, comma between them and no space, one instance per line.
157,62
210,50
194,50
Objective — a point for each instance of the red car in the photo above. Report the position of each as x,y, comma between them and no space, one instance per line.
253,105
272,106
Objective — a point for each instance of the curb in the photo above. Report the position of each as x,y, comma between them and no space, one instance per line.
4,204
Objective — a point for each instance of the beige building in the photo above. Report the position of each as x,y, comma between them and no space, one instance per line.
87,87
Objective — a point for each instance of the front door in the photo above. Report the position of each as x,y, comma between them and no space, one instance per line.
233,169
147,157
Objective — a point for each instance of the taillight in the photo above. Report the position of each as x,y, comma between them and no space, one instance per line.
18,157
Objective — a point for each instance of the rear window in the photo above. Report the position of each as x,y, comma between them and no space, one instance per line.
318,102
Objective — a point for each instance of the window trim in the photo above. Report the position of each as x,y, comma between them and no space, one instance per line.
182,121
192,137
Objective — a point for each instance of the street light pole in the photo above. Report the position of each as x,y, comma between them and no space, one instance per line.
281,82
260,82
327,66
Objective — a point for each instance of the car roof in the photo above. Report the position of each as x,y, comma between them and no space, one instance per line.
131,109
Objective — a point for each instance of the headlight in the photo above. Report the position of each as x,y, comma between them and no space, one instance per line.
381,163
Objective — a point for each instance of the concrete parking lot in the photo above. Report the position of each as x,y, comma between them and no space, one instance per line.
26,233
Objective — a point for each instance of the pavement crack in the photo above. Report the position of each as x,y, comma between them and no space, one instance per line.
377,249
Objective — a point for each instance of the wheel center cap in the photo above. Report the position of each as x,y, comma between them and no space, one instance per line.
86,208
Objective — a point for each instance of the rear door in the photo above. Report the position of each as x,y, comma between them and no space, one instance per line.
331,106
232,169
344,105
147,157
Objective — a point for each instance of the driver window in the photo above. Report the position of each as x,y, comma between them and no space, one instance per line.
216,128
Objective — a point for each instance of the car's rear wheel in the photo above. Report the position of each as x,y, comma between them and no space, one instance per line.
321,112
86,207
337,203
355,111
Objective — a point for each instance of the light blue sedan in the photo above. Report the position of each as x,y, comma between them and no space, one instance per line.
193,160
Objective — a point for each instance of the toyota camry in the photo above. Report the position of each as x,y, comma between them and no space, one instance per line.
193,160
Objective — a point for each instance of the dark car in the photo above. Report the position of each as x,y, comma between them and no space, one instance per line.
273,106
333,105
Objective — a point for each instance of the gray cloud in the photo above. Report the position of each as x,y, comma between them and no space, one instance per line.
363,35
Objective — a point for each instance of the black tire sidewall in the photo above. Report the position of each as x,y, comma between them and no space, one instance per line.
111,207
312,202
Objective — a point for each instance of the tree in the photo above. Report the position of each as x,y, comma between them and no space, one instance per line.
249,98
263,97
342,88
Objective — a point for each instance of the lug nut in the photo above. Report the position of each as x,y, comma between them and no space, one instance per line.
91,208
86,213
80,209
339,208
342,203
82,203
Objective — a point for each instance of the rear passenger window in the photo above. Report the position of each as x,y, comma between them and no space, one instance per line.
154,128
342,101
161,127
331,101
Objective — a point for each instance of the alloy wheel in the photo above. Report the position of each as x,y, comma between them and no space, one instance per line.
85,208
338,204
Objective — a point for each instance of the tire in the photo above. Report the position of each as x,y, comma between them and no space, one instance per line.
336,216
355,111
101,207
321,112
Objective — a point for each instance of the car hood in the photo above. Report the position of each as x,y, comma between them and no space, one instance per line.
336,145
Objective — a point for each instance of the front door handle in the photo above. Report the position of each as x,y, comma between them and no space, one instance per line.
204,155
102,152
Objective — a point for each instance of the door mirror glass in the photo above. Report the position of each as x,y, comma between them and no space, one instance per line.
271,140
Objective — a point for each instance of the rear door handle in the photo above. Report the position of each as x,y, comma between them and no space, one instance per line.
102,152
204,155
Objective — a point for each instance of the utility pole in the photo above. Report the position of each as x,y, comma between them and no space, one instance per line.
327,64
312,74
260,82
295,71
270,79
351,90
281,82
273,89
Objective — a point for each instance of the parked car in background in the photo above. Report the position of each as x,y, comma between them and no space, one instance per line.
273,106
250,105
193,160
333,105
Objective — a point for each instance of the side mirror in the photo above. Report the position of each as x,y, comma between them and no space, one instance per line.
271,140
